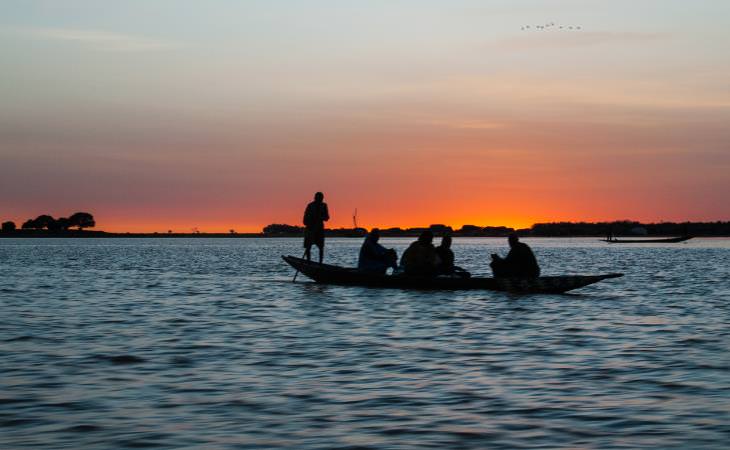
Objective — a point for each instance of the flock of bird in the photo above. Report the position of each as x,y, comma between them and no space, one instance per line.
549,25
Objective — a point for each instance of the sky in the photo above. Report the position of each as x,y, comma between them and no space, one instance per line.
159,115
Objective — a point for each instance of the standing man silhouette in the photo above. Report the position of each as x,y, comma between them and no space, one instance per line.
315,216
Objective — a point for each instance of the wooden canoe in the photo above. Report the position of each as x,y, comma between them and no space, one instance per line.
329,274
648,241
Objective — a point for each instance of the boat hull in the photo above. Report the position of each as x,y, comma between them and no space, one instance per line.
329,274
648,241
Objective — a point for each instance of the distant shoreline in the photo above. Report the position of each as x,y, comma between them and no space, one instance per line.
105,235
264,236
617,229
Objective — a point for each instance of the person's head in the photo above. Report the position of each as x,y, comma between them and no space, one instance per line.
513,239
426,237
374,235
446,241
318,197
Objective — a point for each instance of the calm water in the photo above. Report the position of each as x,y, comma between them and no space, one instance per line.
206,343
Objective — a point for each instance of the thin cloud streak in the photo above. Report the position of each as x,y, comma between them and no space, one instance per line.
97,39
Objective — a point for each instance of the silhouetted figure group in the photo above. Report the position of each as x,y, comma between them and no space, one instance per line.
610,236
421,258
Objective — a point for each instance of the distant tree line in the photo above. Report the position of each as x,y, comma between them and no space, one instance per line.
553,229
280,228
277,229
79,220
46,224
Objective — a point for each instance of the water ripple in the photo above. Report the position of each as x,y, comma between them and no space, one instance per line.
206,343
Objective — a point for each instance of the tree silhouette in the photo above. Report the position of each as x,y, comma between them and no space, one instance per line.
81,220
63,224
8,227
53,226
45,221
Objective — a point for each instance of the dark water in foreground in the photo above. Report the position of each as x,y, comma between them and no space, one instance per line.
205,343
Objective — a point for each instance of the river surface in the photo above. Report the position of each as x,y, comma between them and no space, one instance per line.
206,343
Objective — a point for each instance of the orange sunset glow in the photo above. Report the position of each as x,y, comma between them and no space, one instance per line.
422,115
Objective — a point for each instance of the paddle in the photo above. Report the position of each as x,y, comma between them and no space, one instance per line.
294,280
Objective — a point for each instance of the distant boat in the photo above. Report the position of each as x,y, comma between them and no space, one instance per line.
329,274
648,241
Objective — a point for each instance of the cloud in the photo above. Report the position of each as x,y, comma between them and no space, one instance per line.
558,39
97,39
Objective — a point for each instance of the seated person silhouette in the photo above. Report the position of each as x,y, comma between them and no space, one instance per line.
374,258
420,258
446,255
519,263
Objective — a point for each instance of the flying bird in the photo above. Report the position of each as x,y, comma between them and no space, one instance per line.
549,25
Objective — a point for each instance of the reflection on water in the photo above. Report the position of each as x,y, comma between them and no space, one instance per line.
206,343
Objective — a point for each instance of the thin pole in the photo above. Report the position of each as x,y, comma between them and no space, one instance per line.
297,272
